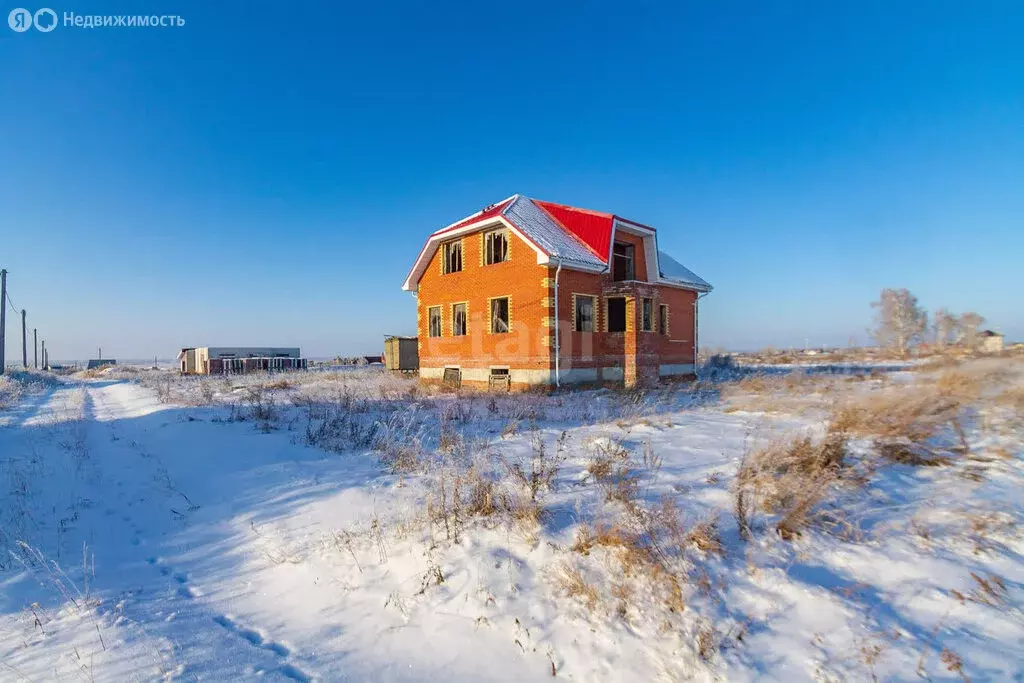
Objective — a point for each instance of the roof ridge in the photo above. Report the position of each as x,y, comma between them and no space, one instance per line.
511,200
595,212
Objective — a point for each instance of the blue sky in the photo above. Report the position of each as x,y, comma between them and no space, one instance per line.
266,173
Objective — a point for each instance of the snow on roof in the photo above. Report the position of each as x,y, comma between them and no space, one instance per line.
675,271
550,236
578,238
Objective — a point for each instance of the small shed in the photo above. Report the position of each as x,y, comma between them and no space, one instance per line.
96,363
990,341
401,354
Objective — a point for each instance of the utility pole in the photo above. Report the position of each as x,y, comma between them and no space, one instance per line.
44,354
3,320
35,348
24,342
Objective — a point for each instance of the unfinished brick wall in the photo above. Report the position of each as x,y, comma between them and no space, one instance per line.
638,352
634,356
526,283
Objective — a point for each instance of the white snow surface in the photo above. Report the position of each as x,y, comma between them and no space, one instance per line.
143,540
676,272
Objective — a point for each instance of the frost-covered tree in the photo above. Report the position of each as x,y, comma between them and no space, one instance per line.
944,325
967,328
899,320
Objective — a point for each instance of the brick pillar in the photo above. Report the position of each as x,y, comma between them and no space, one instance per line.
642,360
630,344
648,358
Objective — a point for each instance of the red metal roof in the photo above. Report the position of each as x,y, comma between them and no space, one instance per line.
593,228
489,212
579,238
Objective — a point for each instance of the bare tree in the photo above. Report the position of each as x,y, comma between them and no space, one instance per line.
944,324
967,328
899,320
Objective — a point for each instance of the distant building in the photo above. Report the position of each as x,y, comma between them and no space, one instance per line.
990,341
216,360
100,363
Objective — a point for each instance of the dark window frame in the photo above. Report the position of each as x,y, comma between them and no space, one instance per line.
579,327
459,322
495,318
491,251
663,319
646,314
451,257
430,321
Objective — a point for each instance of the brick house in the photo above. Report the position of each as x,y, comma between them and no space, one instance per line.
490,288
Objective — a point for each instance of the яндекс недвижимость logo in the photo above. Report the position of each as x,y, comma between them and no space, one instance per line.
45,20
21,20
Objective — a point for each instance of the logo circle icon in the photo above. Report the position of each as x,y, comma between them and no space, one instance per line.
49,21
20,19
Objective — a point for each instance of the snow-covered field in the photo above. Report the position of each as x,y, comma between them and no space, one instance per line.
356,526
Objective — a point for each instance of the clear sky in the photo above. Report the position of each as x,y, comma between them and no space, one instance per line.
266,173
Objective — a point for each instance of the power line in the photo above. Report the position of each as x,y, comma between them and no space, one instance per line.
5,301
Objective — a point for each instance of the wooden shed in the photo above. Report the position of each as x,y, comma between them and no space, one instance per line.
401,354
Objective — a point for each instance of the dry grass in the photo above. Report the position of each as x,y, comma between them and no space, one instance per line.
924,423
95,373
792,480
783,392
953,663
990,591
459,497
913,425
570,579
651,548
789,480
540,472
589,536
1012,398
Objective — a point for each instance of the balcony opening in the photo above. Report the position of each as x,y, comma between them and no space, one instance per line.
622,262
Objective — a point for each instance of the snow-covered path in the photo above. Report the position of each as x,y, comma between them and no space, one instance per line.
121,481
205,551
